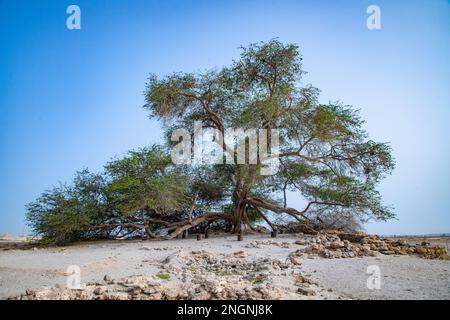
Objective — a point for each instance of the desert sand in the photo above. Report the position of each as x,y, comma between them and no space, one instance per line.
219,267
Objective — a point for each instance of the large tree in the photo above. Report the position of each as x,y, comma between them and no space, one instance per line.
325,158
325,154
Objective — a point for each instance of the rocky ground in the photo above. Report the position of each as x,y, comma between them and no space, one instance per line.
291,266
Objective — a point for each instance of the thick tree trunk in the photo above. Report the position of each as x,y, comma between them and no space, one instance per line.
239,207
238,215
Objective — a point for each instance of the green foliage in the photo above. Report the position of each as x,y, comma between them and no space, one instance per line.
95,205
146,180
326,157
163,276
64,213
326,154
259,279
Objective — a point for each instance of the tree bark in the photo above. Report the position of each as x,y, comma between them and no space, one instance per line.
196,221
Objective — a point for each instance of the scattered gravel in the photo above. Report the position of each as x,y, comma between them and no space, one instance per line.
222,268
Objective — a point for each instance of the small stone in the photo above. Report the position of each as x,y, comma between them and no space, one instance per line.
30,292
421,250
99,291
295,260
240,254
153,283
306,292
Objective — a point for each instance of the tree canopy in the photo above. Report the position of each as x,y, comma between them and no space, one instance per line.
326,159
325,154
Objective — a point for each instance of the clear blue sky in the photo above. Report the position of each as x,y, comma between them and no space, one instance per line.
72,99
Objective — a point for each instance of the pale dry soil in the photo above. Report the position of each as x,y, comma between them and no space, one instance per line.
402,277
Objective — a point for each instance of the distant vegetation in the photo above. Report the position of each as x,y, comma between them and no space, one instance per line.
325,156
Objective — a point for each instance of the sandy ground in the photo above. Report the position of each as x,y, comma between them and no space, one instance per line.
402,277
